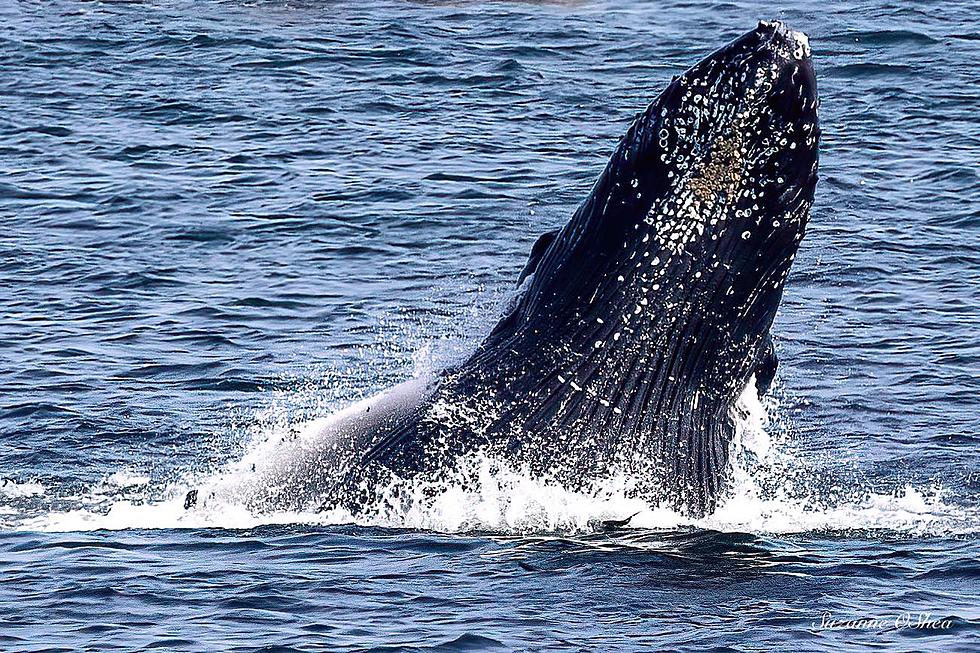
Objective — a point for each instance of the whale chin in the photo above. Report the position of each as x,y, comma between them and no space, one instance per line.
639,322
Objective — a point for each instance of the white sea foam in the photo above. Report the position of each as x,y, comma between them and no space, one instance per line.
127,478
13,490
771,490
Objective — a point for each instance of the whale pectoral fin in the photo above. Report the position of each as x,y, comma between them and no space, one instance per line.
509,319
765,369
537,252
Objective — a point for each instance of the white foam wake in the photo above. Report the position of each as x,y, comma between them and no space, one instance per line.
771,490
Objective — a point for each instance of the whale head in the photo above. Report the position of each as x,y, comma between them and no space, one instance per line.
722,168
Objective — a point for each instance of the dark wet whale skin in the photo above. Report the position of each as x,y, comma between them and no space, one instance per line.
641,321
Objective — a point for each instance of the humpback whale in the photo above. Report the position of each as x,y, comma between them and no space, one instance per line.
635,326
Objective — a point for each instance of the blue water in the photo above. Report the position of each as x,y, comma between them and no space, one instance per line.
222,219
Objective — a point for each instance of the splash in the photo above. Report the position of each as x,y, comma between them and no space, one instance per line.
772,489
13,490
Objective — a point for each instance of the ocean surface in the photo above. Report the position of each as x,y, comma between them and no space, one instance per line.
220,220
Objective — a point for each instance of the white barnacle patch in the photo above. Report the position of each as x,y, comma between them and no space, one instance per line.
801,44
700,197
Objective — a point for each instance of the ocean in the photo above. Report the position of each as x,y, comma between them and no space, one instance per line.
222,220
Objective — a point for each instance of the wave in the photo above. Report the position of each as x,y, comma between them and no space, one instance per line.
772,489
